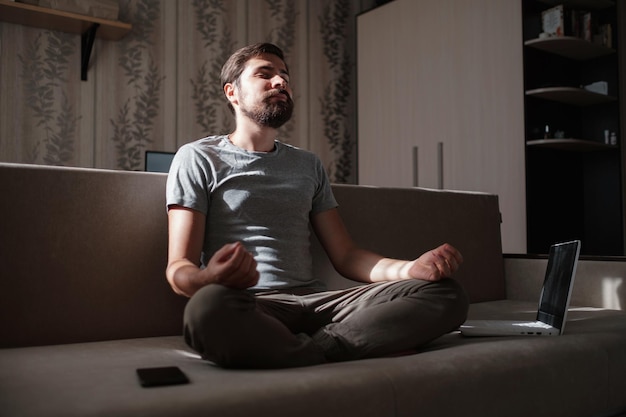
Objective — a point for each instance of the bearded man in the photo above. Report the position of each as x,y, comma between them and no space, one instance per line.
240,210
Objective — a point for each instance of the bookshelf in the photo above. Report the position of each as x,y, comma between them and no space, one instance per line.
573,176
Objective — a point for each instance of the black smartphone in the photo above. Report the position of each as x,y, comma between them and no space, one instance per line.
165,375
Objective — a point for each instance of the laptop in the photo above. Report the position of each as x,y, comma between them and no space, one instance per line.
553,302
157,161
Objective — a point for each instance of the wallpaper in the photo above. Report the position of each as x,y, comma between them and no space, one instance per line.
158,87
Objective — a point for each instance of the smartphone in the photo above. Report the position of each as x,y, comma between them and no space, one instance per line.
165,375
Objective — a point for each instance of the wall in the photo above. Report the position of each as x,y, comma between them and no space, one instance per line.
158,88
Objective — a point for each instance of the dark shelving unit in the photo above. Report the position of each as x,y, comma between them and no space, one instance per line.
573,173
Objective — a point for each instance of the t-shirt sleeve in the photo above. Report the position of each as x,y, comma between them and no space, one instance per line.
189,180
324,198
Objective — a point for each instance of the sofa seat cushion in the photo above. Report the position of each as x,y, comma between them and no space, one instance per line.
454,375
580,373
98,379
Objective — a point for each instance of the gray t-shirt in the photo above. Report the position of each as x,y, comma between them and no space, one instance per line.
260,199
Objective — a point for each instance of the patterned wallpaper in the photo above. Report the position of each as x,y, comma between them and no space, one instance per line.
158,88
137,115
43,77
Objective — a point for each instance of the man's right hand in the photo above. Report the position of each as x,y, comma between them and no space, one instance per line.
233,266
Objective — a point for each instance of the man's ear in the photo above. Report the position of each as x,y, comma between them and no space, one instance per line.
229,91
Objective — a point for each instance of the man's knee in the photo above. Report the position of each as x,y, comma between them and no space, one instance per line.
209,315
455,300
447,300
216,304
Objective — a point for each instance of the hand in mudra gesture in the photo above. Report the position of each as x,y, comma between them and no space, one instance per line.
441,262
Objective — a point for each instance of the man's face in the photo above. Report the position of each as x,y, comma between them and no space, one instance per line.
263,91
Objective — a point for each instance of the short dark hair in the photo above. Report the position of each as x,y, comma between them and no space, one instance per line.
234,66
232,69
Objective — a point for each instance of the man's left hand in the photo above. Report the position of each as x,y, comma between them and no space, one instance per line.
441,262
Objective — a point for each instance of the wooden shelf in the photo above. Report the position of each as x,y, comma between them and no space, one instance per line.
44,18
570,95
581,4
570,47
87,26
571,145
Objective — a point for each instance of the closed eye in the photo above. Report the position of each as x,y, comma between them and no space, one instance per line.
268,72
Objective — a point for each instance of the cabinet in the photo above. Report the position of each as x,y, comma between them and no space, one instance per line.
572,132
440,101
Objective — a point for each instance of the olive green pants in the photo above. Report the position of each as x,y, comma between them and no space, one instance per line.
241,329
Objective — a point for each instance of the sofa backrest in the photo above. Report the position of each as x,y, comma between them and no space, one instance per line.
83,256
406,222
83,251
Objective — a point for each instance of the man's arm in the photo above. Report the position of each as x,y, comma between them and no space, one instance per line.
231,265
365,266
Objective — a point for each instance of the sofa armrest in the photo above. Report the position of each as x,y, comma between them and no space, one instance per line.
600,281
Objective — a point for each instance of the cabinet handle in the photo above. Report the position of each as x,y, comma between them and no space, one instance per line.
415,170
440,163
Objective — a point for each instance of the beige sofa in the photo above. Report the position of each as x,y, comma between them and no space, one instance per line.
84,302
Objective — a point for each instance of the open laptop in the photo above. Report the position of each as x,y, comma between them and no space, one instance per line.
157,161
553,303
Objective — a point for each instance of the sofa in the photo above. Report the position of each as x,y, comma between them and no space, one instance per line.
84,302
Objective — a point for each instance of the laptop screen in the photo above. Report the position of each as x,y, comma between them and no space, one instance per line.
159,161
558,283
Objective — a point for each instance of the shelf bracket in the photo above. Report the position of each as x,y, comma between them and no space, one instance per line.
86,45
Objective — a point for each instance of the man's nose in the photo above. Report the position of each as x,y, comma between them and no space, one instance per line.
279,82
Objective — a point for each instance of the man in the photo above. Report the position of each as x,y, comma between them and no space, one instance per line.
239,210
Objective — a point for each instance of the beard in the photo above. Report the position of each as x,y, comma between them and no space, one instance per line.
268,113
